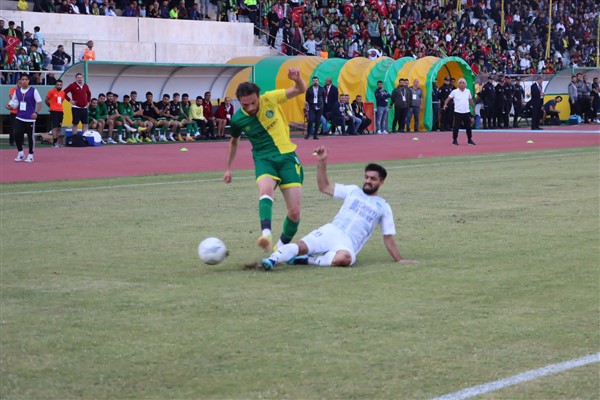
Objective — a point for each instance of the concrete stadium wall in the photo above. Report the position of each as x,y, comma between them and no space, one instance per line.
144,39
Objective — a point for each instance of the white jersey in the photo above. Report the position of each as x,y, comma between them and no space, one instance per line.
361,213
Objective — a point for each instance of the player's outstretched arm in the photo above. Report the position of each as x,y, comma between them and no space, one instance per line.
322,179
299,85
390,245
231,151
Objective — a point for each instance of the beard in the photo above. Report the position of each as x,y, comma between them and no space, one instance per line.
369,189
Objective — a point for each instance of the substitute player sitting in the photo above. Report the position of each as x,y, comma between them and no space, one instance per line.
275,160
337,243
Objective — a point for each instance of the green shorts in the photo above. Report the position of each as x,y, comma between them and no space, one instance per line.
284,168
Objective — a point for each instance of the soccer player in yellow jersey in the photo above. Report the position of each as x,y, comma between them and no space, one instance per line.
275,162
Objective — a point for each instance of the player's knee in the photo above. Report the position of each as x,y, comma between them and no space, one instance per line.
294,214
342,259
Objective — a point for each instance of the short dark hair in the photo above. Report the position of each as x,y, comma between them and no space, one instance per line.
101,95
166,95
149,94
59,80
77,74
176,94
185,95
199,98
246,89
133,92
377,168
126,97
558,97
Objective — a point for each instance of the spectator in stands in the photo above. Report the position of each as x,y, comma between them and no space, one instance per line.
85,8
60,59
231,9
88,54
297,39
72,7
204,4
223,116
95,9
273,24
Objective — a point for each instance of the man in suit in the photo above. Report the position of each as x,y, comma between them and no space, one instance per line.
331,98
359,111
315,98
537,101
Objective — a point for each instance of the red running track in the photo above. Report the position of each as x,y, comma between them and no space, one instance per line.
149,159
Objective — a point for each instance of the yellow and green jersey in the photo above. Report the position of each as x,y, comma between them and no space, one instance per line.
268,130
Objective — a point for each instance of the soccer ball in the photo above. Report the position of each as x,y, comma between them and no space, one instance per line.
212,251
13,103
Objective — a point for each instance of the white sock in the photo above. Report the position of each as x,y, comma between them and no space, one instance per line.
120,137
266,232
280,243
284,253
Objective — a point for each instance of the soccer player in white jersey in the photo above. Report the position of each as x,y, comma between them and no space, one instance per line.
336,244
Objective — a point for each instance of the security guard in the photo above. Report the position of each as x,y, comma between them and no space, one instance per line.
488,95
499,103
518,100
508,95
447,114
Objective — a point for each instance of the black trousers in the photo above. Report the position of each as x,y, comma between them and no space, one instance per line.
518,111
536,116
462,119
314,121
23,128
399,118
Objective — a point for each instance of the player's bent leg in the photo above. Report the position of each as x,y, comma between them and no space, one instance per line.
342,258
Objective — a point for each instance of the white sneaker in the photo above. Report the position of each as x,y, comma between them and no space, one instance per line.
379,132
20,157
129,128
110,141
104,142
385,132
29,158
122,141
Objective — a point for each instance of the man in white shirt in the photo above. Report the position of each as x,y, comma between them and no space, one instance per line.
462,113
336,244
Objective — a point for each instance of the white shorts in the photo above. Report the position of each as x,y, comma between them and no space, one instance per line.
329,239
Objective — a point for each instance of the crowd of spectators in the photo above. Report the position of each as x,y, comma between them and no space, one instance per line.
403,28
410,28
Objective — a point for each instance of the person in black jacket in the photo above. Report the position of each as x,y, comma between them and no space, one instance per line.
60,59
499,103
488,95
537,100
315,98
518,100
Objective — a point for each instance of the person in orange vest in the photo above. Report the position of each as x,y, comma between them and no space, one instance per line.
88,54
13,114
54,101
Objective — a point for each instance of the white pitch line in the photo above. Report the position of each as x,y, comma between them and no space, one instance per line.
520,378
333,170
